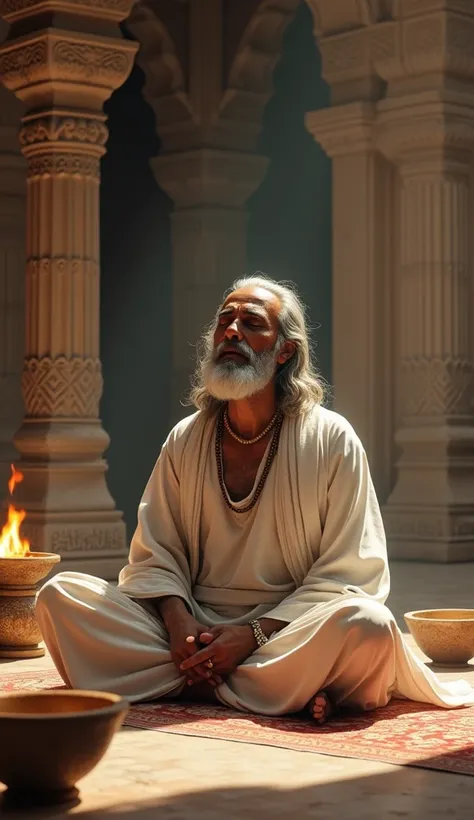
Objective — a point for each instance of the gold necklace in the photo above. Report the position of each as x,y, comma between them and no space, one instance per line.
248,440
220,467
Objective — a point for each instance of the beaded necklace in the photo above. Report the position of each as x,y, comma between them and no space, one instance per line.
220,467
248,440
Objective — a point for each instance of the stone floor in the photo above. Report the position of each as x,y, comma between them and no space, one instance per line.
147,775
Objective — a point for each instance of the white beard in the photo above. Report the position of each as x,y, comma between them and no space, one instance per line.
232,381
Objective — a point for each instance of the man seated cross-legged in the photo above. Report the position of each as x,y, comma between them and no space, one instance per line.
258,574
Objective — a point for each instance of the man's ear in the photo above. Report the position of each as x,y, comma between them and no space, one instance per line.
286,352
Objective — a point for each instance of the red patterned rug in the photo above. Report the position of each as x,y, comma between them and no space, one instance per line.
404,733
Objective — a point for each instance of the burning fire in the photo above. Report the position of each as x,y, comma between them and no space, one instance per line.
11,543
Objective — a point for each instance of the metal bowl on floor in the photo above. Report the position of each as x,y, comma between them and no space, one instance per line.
51,740
446,636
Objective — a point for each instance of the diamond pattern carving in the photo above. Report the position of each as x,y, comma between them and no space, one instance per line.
436,387
61,387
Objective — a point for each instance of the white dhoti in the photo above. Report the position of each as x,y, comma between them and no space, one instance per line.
100,639
309,554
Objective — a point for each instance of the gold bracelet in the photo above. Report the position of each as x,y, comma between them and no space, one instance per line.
258,633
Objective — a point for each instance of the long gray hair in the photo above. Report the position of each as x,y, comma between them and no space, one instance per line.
298,386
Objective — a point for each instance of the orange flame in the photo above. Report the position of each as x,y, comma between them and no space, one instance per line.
11,543
16,478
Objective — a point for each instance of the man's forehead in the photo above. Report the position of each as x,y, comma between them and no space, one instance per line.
253,297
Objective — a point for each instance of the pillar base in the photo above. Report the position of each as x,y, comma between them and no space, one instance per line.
95,544
434,534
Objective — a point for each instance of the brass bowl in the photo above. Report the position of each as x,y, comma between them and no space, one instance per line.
446,636
52,739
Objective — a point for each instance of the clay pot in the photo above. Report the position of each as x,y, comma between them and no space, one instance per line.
52,739
446,636
19,579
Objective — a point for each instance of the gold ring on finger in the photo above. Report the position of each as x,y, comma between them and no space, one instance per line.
210,665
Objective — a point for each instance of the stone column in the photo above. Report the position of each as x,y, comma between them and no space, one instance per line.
63,67
426,128
209,188
430,514
12,280
362,218
209,165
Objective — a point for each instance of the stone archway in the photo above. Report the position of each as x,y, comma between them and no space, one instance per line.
199,179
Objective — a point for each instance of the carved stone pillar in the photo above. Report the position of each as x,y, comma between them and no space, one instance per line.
63,66
362,183
209,189
426,126
430,514
12,280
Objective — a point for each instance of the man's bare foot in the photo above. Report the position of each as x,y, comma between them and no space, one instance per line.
320,708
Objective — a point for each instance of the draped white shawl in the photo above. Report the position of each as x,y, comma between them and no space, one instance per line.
325,506
328,522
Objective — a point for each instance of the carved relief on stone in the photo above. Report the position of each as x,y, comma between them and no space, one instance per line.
86,61
57,165
61,387
87,538
38,132
21,65
438,387
51,57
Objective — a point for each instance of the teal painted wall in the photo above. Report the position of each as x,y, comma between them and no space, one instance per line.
289,237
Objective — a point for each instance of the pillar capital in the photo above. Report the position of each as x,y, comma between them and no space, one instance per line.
419,127
208,177
47,65
343,130
430,45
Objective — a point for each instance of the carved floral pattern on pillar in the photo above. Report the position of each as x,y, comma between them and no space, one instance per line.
63,76
426,127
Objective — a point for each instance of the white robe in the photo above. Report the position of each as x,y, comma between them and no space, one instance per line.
311,553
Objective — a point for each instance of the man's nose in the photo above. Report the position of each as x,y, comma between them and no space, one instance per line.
233,331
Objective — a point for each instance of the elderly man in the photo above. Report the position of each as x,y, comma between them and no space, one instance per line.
258,572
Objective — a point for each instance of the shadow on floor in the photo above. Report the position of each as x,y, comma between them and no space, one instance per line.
375,797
